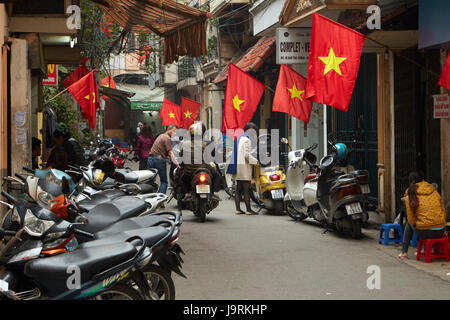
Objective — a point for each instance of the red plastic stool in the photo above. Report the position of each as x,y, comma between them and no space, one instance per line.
434,249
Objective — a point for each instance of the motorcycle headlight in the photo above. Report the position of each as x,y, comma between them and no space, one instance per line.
15,217
34,226
44,199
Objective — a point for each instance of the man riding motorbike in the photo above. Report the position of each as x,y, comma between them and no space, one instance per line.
196,131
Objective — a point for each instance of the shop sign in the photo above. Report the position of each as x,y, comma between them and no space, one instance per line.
292,45
145,106
441,106
52,75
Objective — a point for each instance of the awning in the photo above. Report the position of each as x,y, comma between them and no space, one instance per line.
183,27
253,59
119,96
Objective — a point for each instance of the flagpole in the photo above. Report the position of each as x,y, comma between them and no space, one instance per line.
325,133
56,95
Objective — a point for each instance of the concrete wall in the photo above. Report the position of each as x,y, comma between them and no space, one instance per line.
445,150
20,102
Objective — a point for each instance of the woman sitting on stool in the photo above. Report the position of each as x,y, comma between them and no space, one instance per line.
425,212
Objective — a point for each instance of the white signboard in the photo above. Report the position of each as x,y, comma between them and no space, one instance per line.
441,106
293,45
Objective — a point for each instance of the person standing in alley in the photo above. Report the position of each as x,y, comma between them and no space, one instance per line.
242,167
160,151
143,146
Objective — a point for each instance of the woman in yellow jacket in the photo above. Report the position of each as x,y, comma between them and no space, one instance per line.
425,211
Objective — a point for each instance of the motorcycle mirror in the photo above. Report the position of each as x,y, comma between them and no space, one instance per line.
65,186
284,140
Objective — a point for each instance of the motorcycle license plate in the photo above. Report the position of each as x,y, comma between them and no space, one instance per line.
277,194
353,208
202,188
365,188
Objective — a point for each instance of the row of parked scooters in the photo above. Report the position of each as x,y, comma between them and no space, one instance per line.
92,234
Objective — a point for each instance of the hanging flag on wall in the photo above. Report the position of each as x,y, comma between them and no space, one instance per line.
189,111
79,73
85,91
334,57
242,96
444,79
290,94
170,113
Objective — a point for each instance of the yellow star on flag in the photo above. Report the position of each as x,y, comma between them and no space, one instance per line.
187,114
88,97
237,103
172,115
295,93
332,62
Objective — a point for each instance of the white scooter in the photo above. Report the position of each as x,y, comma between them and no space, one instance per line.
301,183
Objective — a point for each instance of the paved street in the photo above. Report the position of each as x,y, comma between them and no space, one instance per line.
273,257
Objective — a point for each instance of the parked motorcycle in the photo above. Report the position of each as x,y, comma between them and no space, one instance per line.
152,229
104,272
329,196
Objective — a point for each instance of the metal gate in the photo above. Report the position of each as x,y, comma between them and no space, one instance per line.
357,127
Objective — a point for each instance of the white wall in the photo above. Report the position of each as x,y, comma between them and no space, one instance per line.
314,132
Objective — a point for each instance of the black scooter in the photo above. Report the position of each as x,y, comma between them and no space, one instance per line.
99,272
48,230
340,198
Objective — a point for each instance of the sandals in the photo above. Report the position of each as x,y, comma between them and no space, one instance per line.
239,212
403,256
251,213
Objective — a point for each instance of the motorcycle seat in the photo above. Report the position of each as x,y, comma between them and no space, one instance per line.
52,272
151,235
105,214
130,224
99,198
126,176
360,172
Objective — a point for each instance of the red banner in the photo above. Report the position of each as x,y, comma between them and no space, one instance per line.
52,75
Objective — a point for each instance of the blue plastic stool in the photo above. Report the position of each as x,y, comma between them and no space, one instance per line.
384,233
415,240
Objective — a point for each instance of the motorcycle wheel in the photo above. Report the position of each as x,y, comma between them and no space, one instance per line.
356,229
119,292
254,195
294,214
202,210
160,283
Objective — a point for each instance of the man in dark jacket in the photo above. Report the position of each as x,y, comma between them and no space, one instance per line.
75,152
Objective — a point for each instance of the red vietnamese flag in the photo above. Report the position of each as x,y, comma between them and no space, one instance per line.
242,96
79,73
170,113
290,94
444,79
85,91
334,56
108,82
189,111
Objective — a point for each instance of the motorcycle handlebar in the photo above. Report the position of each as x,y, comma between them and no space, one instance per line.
21,177
83,233
28,169
4,232
9,197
